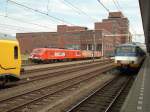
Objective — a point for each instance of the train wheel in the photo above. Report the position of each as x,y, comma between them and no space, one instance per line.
3,83
55,61
64,60
46,61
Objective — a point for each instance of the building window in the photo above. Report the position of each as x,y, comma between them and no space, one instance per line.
84,46
89,46
99,47
72,46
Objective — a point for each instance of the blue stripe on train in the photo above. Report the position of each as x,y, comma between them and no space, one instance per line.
126,54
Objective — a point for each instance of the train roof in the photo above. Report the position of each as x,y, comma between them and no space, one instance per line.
128,44
142,46
54,49
9,41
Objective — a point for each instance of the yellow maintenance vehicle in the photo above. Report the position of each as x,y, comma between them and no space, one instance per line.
10,61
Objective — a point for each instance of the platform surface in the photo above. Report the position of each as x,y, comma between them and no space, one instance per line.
138,99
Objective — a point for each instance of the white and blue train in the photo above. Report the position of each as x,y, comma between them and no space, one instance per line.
129,55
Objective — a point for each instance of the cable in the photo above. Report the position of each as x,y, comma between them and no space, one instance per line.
103,6
6,8
40,12
70,7
116,5
6,16
79,10
8,28
120,9
37,11
22,21
47,6
12,26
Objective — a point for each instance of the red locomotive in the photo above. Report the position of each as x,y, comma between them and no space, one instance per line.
46,55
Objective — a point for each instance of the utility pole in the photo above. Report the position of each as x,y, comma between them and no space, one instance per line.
94,45
102,44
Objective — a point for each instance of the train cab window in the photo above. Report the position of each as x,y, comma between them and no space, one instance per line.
138,50
37,51
15,52
125,49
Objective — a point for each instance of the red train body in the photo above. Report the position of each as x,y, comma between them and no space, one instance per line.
53,54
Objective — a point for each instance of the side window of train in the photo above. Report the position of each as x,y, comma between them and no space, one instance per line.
138,51
15,52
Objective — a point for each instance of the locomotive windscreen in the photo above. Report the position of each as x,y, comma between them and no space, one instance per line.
36,51
125,49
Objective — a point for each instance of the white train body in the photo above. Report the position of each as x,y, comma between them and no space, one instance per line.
129,55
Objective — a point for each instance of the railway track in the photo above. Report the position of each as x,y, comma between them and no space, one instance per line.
118,103
40,75
61,66
32,101
104,98
33,64
34,84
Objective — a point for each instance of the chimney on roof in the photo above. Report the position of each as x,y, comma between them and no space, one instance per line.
116,15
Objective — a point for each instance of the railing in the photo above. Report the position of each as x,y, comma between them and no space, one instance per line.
26,62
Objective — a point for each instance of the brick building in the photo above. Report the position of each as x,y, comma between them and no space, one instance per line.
76,37
118,25
29,41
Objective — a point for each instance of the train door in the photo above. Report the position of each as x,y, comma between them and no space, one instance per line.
16,59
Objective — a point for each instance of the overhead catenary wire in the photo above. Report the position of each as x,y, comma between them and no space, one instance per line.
116,5
40,12
6,8
27,22
103,6
19,20
14,26
47,6
35,10
80,11
44,26
10,28
121,9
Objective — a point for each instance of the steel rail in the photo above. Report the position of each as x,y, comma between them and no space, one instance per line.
73,108
49,74
48,94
